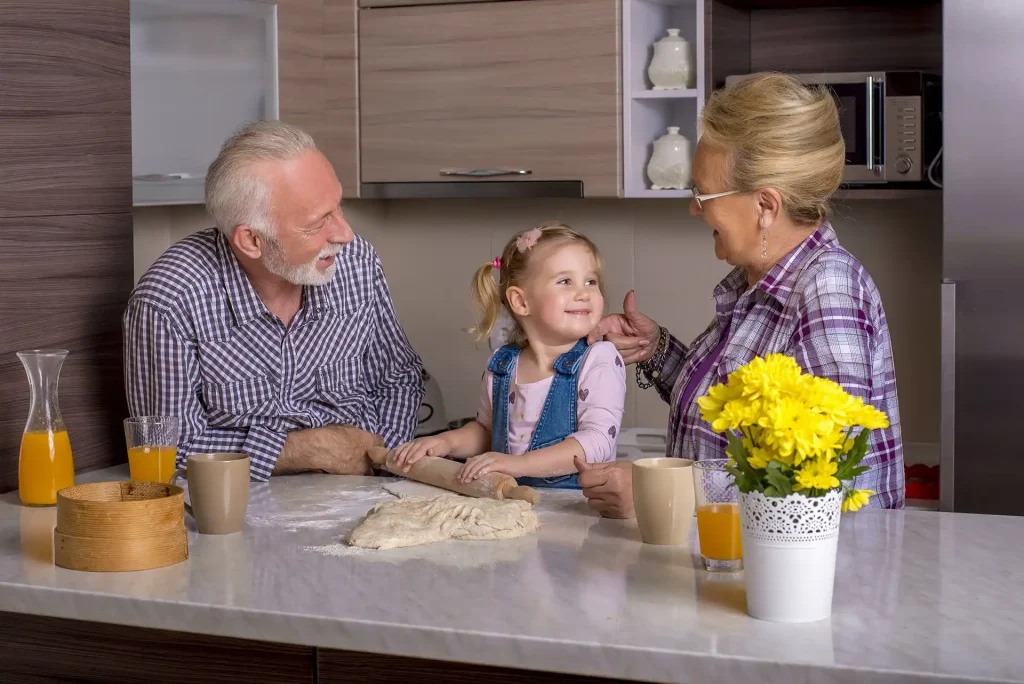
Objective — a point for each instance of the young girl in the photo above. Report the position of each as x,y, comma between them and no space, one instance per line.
546,396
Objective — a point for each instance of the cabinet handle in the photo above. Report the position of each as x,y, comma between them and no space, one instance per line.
483,173
870,109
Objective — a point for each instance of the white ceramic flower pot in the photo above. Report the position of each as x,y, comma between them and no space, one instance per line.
789,555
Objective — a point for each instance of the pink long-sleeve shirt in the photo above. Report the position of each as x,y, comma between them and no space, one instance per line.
601,396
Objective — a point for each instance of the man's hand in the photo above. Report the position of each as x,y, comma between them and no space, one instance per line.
333,449
634,334
608,487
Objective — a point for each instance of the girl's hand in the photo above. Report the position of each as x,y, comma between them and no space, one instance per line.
410,452
491,462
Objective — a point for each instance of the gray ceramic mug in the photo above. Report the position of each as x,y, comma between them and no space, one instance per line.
218,487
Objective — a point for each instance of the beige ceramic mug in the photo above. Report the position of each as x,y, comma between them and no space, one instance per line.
663,499
218,487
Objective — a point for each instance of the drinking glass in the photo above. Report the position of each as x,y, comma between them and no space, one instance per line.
152,447
718,516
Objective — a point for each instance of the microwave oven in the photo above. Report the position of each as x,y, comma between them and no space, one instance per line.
891,123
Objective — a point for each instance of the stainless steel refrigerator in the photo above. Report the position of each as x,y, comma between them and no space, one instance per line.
982,454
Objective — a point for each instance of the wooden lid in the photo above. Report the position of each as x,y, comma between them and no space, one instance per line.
120,510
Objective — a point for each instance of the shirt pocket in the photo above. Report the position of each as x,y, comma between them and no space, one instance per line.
230,403
342,375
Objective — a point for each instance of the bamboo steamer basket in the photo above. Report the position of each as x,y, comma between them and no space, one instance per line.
120,526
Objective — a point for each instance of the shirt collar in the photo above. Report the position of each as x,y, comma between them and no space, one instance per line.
246,304
777,282
317,300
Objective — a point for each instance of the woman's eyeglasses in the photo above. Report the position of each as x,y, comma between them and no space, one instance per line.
701,199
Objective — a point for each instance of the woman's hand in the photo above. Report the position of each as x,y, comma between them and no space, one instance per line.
633,334
410,452
491,462
608,487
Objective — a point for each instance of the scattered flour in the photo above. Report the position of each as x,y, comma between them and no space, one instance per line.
295,512
338,550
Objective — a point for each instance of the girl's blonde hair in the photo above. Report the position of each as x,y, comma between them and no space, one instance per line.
782,134
489,295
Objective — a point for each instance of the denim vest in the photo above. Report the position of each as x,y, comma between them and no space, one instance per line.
558,417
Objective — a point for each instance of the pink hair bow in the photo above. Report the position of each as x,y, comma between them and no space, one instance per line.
496,263
528,239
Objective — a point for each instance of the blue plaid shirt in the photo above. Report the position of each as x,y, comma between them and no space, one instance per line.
200,344
818,305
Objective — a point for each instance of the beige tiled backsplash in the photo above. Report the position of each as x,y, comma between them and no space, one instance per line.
430,249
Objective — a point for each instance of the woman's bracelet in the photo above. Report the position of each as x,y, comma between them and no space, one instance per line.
652,366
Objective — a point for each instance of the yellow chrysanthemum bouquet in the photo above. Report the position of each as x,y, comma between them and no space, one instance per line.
790,431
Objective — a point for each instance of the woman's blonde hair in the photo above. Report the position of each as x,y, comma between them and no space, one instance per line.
782,134
489,294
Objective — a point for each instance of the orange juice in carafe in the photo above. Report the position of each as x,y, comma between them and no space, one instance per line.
45,467
45,464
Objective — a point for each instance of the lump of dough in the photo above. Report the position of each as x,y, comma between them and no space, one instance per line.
424,520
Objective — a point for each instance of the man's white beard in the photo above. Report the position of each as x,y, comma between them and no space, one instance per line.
304,274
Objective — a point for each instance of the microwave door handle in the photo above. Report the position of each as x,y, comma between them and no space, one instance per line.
870,111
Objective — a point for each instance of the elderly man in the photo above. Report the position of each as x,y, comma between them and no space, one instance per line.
273,334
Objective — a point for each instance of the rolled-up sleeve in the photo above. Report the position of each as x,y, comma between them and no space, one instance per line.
162,379
395,368
672,365
835,338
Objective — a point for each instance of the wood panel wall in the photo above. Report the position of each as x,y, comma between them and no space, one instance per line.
747,36
66,265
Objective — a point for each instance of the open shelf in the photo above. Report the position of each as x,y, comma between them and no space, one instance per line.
647,113
679,94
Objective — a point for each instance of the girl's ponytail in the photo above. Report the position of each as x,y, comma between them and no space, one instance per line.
487,298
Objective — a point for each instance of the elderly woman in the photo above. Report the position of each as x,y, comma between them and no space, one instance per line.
770,155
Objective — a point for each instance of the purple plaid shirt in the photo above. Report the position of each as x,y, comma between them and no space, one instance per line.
818,305
200,344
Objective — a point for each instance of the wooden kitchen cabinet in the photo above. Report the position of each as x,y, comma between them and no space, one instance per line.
65,107
317,79
520,85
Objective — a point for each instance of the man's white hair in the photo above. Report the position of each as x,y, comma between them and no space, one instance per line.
235,194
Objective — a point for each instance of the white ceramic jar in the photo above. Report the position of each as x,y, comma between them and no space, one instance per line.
669,165
672,67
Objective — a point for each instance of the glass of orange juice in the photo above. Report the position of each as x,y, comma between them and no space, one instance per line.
152,447
718,516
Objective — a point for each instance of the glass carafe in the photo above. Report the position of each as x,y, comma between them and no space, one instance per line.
45,465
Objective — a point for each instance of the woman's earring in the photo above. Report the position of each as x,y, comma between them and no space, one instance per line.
764,243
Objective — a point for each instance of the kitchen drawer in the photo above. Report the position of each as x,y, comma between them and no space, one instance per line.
529,85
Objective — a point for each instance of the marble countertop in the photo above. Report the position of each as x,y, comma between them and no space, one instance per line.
920,596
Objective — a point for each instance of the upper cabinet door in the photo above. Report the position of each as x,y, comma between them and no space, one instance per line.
65,107
317,79
528,85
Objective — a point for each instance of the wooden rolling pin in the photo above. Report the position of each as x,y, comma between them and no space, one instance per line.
442,472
